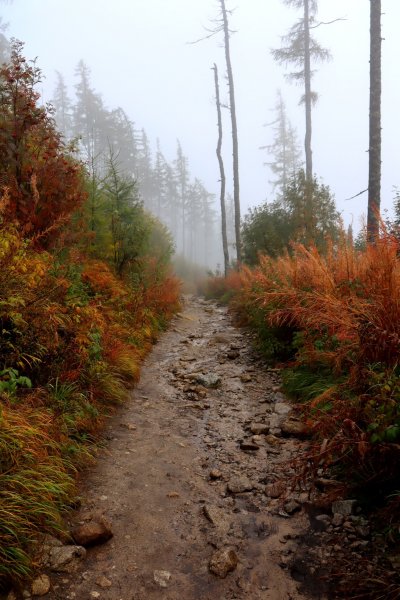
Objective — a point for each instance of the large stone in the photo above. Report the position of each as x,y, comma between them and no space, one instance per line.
66,559
344,507
162,578
95,532
259,428
223,561
281,408
41,585
292,507
103,582
272,440
218,518
210,380
249,446
239,484
275,489
293,427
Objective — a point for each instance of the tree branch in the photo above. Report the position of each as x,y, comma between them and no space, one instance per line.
356,195
328,22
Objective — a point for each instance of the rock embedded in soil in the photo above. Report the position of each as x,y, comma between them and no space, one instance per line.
344,507
239,484
162,578
293,427
211,380
272,440
276,489
103,582
282,408
223,561
215,474
292,507
245,378
65,559
259,428
218,517
41,585
249,446
95,532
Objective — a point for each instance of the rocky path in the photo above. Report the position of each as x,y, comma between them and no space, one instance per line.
191,479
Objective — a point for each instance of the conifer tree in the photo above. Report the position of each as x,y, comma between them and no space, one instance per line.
301,50
63,108
285,151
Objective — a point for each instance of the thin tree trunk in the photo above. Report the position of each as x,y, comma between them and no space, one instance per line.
222,174
307,140
235,149
374,177
307,91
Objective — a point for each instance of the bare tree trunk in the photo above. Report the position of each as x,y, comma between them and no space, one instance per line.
308,135
374,178
307,91
222,174
235,150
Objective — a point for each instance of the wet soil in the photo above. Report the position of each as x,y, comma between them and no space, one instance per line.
181,477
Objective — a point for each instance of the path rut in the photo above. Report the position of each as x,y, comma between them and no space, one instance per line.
173,474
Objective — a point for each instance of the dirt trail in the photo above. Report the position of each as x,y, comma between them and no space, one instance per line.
173,477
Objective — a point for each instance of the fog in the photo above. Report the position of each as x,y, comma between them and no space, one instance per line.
141,59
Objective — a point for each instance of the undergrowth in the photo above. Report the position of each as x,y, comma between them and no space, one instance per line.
75,322
335,318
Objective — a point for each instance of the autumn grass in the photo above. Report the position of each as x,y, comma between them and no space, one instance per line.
73,339
35,488
336,319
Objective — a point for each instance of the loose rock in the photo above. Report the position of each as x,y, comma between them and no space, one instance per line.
162,578
249,446
211,380
344,507
218,518
292,507
293,427
95,532
41,585
103,582
281,408
65,559
239,484
276,489
259,428
215,474
223,561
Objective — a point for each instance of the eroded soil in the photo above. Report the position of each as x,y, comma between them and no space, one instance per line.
172,478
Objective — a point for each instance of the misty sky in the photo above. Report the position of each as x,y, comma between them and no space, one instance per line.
141,60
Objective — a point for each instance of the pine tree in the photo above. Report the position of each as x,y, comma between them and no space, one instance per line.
301,49
145,171
182,180
90,118
121,137
284,148
63,108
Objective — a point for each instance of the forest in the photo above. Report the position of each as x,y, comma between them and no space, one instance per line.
101,239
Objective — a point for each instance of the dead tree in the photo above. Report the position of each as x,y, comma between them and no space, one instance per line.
222,173
375,92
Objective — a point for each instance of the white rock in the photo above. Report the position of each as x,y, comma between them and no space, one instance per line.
162,578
